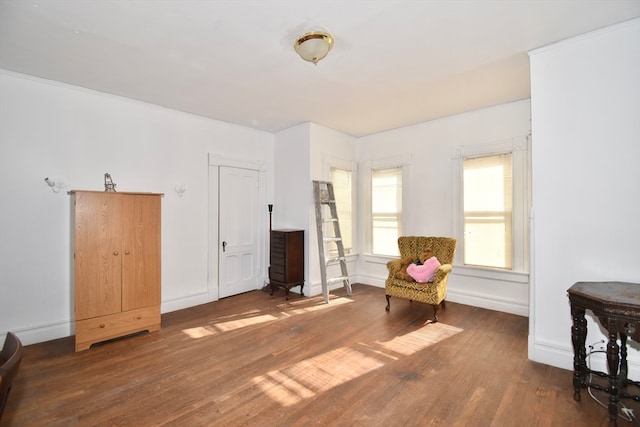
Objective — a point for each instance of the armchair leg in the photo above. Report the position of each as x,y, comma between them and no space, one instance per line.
435,313
388,304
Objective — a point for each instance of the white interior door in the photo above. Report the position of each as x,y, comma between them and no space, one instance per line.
238,231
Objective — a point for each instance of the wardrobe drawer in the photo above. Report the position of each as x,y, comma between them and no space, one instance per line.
97,329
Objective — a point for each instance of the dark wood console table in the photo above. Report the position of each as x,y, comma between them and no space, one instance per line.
617,307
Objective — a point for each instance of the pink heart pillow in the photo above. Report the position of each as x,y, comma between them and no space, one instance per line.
424,273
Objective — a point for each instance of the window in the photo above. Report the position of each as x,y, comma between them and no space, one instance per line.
492,195
386,210
487,187
342,191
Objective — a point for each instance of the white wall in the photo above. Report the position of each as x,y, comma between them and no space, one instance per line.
299,156
49,129
292,193
292,188
586,179
431,147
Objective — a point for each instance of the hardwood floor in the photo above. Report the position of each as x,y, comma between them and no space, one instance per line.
256,360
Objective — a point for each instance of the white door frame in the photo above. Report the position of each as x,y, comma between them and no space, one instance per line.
215,161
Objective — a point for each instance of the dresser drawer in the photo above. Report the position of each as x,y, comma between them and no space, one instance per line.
277,258
277,272
277,244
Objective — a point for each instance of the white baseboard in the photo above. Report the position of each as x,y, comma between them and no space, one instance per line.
42,333
65,328
371,280
184,302
315,288
548,353
505,305
561,356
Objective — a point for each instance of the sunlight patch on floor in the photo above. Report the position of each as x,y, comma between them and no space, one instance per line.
231,325
322,306
236,315
244,322
419,339
199,332
319,374
310,377
251,318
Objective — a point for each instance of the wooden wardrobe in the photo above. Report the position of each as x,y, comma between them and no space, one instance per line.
116,264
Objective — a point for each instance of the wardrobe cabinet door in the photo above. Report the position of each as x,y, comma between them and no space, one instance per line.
98,255
141,252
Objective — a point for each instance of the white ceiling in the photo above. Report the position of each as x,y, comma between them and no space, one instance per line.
394,62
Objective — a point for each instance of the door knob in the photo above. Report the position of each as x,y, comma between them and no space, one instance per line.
224,246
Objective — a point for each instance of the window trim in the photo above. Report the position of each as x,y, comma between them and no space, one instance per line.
519,147
328,163
403,161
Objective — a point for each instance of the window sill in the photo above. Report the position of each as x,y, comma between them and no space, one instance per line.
462,270
489,273
378,259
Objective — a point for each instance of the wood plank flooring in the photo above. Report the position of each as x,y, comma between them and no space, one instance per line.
256,360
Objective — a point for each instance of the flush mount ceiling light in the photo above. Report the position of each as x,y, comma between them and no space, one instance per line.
314,46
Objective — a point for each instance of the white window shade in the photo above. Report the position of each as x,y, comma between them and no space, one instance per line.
342,189
488,211
386,210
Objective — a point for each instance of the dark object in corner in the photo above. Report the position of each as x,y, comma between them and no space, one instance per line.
9,363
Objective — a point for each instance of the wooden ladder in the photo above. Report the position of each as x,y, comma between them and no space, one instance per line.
324,196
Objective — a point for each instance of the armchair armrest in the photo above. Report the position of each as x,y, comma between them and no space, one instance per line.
442,272
394,266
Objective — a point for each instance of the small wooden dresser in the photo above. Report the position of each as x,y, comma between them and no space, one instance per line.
287,260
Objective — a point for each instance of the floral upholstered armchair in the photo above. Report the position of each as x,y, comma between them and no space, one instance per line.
433,292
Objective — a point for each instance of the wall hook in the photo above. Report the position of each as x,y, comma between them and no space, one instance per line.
180,189
55,184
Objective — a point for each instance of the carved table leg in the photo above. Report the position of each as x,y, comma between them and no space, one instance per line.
578,338
622,383
613,361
